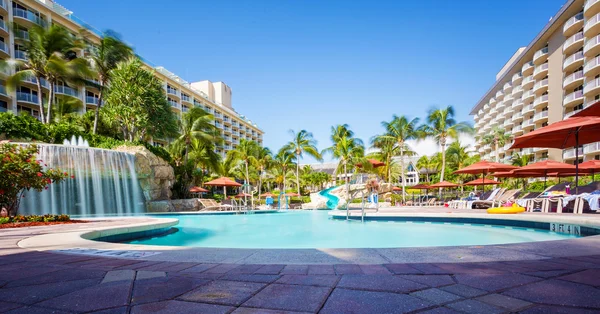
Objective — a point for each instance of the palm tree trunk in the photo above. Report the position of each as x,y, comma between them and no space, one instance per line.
298,171
347,183
40,98
402,173
97,113
496,148
247,181
443,150
50,96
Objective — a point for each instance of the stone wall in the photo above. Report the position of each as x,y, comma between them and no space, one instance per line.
169,206
155,175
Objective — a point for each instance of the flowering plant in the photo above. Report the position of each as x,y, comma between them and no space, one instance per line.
20,172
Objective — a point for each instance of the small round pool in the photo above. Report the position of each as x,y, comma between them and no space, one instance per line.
315,229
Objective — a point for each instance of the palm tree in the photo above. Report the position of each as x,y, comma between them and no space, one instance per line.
203,156
442,126
196,124
520,160
49,57
346,149
103,59
458,157
245,153
283,161
429,164
386,150
498,137
264,159
302,142
400,130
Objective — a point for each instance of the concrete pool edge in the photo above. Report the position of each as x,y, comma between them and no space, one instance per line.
53,241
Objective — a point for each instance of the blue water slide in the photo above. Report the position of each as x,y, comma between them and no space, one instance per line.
332,200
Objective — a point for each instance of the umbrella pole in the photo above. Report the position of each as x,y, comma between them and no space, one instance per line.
576,162
224,192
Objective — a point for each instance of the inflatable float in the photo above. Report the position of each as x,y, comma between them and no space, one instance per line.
514,209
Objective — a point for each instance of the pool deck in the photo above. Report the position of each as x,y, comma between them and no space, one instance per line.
88,276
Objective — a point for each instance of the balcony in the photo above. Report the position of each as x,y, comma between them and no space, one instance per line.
517,104
528,82
507,123
33,81
591,148
571,153
28,17
3,6
592,67
65,90
21,34
508,99
20,54
573,24
27,97
540,56
540,116
573,80
491,102
186,98
573,62
573,98
517,91
3,28
91,100
173,103
573,43
197,104
591,87
4,50
499,95
517,130
507,87
540,71
516,78
592,47
541,101
591,7
185,109
569,114
527,96
517,117
172,91
493,111
540,87
527,68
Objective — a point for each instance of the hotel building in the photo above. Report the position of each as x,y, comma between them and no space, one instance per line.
214,97
555,76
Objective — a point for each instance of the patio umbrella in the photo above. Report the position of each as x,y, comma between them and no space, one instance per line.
242,194
268,194
443,184
292,194
197,189
395,188
421,187
375,163
224,182
544,168
485,167
482,181
592,110
571,132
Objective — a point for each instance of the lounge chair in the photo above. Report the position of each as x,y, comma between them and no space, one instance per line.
486,203
210,204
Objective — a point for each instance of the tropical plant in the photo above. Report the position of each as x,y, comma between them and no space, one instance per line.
103,59
196,124
21,172
137,105
441,126
245,153
264,159
302,142
50,57
346,148
399,130
429,164
520,160
282,162
497,137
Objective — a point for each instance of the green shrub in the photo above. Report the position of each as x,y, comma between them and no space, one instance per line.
22,127
35,218
4,220
63,218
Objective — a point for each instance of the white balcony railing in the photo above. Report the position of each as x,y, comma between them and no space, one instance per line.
573,96
592,63
527,66
20,54
27,97
591,148
540,53
590,85
28,15
590,43
573,58
540,84
540,100
572,77
578,17
540,68
570,153
571,40
540,115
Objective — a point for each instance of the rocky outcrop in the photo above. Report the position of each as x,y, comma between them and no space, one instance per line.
170,206
155,175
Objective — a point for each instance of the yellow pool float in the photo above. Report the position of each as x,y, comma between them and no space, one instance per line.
514,209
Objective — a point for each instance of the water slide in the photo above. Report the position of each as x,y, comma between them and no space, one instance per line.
332,200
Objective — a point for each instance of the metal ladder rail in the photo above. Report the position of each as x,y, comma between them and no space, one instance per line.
353,197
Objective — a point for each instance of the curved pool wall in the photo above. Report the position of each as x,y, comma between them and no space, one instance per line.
313,230
332,200
105,183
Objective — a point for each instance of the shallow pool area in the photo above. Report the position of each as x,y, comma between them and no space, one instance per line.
315,229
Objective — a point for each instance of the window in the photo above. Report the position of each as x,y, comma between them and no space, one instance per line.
3,106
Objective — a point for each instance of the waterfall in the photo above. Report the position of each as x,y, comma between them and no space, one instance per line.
105,183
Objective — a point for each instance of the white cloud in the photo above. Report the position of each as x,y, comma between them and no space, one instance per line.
429,147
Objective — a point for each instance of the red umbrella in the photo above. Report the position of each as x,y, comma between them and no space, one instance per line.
485,167
197,189
421,187
292,194
512,174
543,168
374,163
268,194
482,181
444,184
592,110
224,182
242,194
396,188
571,132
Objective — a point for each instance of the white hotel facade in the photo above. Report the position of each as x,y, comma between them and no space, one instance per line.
555,76
214,97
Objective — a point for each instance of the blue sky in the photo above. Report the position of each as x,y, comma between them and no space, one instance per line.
313,64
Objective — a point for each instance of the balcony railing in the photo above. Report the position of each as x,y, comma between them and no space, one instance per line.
570,153
517,103
65,90
589,3
91,100
185,97
197,104
3,47
573,20
33,80
172,91
517,128
573,58
591,148
540,115
527,80
506,86
591,64
21,34
517,90
571,78
527,66
590,43
539,100
591,22
27,97
173,103
527,94
20,54
572,96
569,114
28,15
590,85
540,84
516,77
571,40
540,53
540,68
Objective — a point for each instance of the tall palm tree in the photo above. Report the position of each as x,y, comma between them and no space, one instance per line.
429,164
386,150
245,153
196,124
441,126
203,156
346,149
49,57
264,159
498,137
521,160
458,158
103,59
400,130
302,142
283,161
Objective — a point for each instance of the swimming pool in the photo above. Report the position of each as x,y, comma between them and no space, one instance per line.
314,229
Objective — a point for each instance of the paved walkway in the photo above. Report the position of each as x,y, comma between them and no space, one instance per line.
48,282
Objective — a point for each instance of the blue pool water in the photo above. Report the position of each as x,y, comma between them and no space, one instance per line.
314,229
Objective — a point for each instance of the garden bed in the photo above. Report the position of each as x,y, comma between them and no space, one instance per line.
38,223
